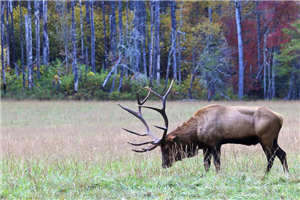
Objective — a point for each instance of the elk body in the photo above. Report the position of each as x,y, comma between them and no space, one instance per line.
210,128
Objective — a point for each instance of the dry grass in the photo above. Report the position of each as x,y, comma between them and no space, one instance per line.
77,150
92,130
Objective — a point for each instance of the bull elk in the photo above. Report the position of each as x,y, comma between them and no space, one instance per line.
210,128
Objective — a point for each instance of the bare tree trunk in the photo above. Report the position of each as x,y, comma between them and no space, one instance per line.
2,48
240,48
92,39
7,36
174,35
105,37
157,40
193,75
66,38
265,63
87,19
22,45
81,34
274,65
45,33
260,68
120,43
113,39
143,32
74,64
179,44
37,35
29,44
12,36
151,42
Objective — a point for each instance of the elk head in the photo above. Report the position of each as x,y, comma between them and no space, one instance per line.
170,149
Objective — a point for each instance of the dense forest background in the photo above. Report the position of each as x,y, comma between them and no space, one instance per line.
112,49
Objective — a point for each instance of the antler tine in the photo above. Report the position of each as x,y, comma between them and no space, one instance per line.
144,100
145,150
162,111
140,117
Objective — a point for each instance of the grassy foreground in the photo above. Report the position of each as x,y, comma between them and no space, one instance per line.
76,150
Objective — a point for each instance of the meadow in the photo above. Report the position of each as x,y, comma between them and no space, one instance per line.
77,150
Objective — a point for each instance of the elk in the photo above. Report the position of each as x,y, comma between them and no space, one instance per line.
210,128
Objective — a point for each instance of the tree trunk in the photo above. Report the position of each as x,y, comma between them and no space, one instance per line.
45,33
151,42
157,40
113,31
193,75
87,19
2,48
260,68
12,36
265,51
143,32
274,65
37,35
179,44
113,39
174,35
240,49
66,38
29,44
105,37
74,64
120,43
7,36
22,45
92,38
81,34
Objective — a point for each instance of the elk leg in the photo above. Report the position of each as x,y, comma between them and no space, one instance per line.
206,158
270,154
281,155
217,154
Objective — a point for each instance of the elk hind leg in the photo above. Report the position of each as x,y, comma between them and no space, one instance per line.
281,155
270,154
206,158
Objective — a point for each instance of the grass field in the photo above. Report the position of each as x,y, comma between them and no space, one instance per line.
77,150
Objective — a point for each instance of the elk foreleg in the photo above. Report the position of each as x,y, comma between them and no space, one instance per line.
216,151
206,158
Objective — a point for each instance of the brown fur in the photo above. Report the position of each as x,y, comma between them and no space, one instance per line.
214,125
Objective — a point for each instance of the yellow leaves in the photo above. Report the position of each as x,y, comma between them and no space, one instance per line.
90,74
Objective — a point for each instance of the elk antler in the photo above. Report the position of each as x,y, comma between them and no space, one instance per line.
138,115
162,111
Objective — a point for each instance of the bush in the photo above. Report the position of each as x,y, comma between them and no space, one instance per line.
57,83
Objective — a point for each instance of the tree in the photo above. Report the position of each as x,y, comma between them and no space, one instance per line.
92,38
37,35
120,43
22,45
87,18
74,63
2,48
12,36
29,44
81,34
45,33
105,37
240,48
174,38
157,40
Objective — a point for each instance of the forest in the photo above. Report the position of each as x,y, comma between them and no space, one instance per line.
109,50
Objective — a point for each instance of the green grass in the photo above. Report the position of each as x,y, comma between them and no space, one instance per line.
77,151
